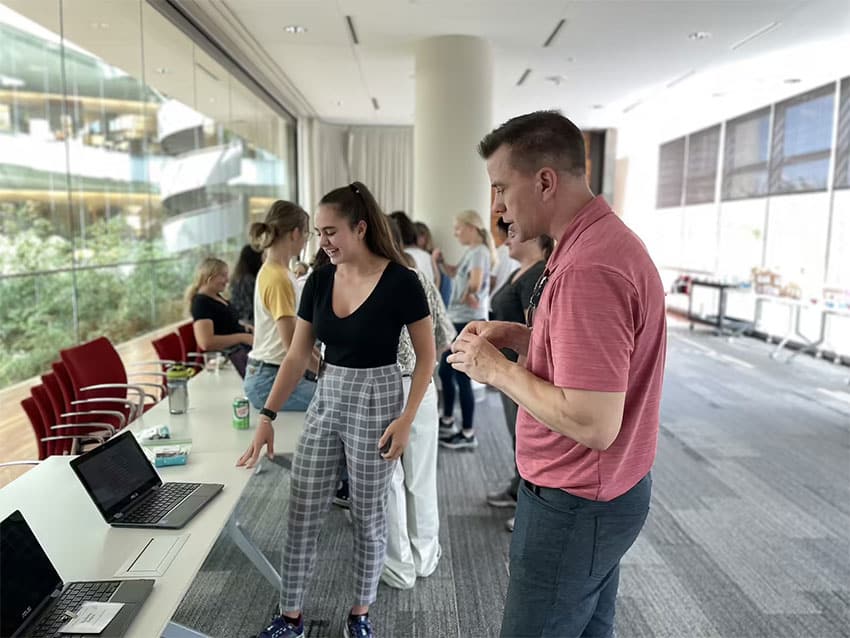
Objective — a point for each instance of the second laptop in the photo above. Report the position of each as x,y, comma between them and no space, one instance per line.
128,492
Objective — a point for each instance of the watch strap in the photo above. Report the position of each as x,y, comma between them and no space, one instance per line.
271,414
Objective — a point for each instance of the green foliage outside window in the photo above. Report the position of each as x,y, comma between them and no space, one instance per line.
53,295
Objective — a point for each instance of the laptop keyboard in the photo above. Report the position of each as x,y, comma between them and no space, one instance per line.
71,598
154,508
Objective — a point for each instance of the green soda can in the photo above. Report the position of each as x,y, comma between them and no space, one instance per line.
241,413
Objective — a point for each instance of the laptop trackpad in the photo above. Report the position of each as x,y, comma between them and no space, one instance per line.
153,557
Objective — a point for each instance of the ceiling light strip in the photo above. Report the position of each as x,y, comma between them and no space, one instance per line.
680,79
523,77
351,30
756,34
554,33
632,106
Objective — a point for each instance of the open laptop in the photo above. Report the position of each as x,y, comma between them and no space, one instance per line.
127,490
34,600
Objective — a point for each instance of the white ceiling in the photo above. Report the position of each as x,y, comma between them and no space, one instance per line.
611,54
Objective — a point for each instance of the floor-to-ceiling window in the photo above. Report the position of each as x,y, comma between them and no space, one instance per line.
127,152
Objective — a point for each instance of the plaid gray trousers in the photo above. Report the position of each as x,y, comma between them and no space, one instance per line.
347,416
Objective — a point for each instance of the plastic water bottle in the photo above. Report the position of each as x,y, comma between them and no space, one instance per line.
177,377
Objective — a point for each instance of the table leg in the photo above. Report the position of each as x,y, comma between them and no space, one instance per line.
808,345
691,305
789,332
721,310
252,552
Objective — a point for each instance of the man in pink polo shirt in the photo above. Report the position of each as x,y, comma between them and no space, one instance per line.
589,392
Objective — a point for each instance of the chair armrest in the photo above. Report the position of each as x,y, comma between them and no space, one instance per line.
90,424
100,437
140,404
122,419
136,387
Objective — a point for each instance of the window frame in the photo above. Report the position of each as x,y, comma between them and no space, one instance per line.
778,160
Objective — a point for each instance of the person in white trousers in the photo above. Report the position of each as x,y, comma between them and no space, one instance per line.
413,518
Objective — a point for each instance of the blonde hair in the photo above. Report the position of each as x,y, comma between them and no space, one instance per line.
283,217
206,270
472,218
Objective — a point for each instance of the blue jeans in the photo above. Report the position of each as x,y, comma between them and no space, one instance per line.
259,378
449,376
565,561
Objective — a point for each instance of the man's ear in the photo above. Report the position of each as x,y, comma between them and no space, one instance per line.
547,182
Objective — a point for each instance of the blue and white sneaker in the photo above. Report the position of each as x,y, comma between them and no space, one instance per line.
358,627
280,627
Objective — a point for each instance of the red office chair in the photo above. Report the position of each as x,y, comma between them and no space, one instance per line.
39,411
170,350
97,372
66,415
191,351
71,403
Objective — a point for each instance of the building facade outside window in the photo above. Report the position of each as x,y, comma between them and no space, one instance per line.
127,153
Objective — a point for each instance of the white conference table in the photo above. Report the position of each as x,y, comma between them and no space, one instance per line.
83,547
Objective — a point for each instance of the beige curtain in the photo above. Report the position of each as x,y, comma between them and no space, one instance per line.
379,156
382,158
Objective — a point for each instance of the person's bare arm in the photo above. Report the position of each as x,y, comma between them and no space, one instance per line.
288,375
208,340
502,334
422,337
590,418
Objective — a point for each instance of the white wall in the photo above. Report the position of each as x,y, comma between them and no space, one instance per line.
730,238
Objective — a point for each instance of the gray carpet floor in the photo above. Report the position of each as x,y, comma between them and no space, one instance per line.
748,535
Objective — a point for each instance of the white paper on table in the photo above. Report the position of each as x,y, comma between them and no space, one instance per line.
92,618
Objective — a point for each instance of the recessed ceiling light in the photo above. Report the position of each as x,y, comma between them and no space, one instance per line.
212,100
718,94
99,25
295,28
699,35
792,80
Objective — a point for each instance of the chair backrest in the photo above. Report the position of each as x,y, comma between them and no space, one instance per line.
94,362
169,347
66,386
48,418
186,331
35,420
54,393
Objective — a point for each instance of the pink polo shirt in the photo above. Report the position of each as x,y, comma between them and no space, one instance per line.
599,325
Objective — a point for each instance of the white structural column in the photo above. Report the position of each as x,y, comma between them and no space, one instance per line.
454,110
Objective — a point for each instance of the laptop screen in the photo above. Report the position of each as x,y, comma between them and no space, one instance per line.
27,577
115,473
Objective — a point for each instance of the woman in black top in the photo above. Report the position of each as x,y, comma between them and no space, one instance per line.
356,306
510,303
243,282
215,324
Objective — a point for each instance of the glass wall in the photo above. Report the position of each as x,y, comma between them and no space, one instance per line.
127,153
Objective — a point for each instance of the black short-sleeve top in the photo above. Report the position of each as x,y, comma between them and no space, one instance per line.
224,318
368,337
